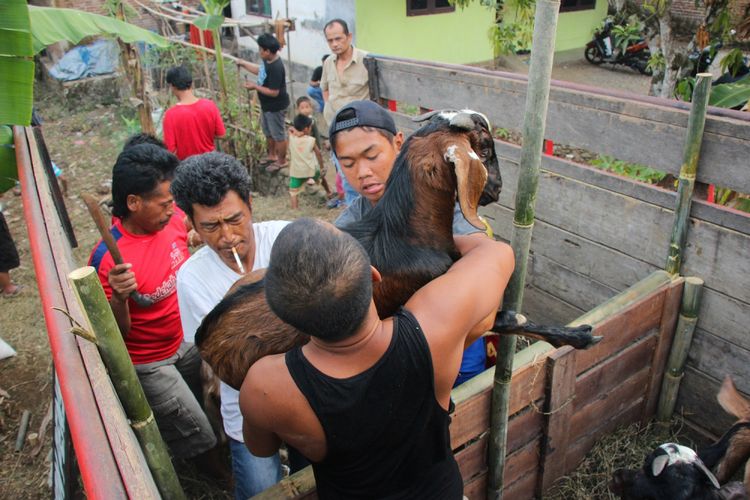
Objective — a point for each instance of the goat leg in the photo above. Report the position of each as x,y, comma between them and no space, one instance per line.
578,337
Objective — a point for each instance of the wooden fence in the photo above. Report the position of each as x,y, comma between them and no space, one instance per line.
596,233
562,400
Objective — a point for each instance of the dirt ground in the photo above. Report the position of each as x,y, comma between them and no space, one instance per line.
84,143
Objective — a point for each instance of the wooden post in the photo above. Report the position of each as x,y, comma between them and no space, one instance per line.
560,392
683,337
95,307
535,115
690,156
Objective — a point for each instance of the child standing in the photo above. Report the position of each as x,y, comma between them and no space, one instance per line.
305,157
305,107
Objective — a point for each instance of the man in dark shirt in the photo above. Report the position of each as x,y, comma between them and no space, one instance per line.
274,99
366,400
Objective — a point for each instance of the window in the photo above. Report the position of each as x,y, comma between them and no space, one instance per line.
573,5
258,8
422,7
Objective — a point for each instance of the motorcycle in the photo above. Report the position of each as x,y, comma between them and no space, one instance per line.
600,50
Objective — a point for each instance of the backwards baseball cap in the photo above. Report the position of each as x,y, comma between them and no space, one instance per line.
362,114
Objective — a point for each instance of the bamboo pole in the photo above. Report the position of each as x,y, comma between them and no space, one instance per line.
115,356
683,337
207,73
535,115
690,156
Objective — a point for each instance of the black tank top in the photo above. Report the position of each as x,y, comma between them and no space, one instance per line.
387,436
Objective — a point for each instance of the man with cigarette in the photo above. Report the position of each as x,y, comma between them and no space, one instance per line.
152,239
213,189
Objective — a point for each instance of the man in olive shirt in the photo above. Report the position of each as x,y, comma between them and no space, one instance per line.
344,80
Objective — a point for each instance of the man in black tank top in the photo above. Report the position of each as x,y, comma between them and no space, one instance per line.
366,399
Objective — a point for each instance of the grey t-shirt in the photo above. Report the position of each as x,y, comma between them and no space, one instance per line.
360,206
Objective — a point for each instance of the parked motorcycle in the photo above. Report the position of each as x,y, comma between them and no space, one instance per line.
601,50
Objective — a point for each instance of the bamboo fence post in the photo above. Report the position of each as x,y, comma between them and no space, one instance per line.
690,156
535,115
202,39
683,337
115,356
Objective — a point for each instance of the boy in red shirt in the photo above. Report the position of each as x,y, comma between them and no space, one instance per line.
191,125
153,241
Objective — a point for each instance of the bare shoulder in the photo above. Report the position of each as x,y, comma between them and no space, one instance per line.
265,380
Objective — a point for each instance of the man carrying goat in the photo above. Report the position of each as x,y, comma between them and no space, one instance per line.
366,400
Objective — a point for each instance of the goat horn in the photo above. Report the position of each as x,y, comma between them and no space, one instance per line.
699,463
462,121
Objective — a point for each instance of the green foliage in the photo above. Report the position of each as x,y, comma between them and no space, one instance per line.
508,36
16,66
112,7
732,62
684,89
656,62
625,35
632,170
730,95
8,170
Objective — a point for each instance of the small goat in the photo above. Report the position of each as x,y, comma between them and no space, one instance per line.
674,472
408,236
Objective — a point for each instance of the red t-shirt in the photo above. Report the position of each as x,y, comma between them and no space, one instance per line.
189,129
156,331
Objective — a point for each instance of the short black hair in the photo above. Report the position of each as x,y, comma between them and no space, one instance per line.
269,42
143,138
138,170
180,78
319,280
337,21
301,122
303,98
317,74
206,179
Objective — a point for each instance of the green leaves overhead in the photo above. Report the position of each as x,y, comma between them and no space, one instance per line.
50,25
15,36
209,22
729,95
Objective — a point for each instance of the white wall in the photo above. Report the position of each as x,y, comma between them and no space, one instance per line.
307,43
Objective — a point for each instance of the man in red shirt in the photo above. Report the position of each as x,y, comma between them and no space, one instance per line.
191,125
153,241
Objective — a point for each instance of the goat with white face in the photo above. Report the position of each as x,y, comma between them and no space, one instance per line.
675,472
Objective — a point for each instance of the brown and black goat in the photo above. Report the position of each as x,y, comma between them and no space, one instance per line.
408,236
674,472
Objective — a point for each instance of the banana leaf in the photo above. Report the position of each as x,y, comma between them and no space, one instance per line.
50,25
8,171
16,67
209,22
730,95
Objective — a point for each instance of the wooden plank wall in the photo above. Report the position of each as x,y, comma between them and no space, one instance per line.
598,233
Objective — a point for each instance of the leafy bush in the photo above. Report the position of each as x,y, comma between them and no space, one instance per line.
632,170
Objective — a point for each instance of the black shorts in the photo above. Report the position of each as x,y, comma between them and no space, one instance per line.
8,252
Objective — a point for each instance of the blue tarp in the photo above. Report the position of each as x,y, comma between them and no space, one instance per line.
98,58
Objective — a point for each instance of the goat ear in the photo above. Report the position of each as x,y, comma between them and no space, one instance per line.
658,465
732,401
425,116
699,463
462,121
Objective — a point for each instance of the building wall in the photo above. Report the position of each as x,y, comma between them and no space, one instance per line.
575,29
307,42
456,37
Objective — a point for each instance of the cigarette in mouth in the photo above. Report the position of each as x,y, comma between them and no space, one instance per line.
237,259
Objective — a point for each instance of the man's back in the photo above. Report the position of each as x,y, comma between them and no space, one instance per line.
386,434
190,129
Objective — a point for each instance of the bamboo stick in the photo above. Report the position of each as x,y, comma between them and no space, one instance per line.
115,356
22,430
690,156
535,114
683,337
209,81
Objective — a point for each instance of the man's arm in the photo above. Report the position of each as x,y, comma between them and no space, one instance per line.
122,281
257,406
249,66
462,300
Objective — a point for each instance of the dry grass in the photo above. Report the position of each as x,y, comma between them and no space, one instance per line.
626,447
